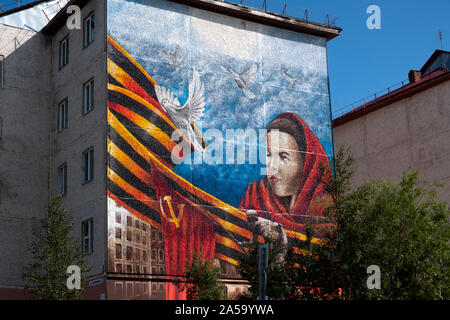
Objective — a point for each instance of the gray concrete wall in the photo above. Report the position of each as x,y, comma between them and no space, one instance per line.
24,145
83,131
410,134
31,148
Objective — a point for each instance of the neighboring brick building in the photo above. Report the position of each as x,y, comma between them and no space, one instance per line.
407,129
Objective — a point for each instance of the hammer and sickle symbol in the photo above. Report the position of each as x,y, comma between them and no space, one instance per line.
175,219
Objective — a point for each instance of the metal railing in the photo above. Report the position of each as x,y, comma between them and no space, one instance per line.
364,101
288,10
51,10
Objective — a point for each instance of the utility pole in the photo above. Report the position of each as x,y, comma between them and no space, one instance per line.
263,261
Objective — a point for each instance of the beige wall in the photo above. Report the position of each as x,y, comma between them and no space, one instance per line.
410,134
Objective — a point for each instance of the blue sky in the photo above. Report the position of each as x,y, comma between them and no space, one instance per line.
363,61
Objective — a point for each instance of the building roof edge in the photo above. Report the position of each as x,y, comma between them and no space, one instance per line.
388,99
230,9
265,17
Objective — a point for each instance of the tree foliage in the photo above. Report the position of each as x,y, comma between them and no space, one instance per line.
402,228
202,281
53,250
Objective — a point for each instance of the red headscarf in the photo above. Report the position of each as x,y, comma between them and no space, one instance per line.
260,197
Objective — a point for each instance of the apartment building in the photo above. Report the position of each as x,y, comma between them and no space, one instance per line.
82,115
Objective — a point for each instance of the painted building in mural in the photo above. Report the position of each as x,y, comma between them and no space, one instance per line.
216,123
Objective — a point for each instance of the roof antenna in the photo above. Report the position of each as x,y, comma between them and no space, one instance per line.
440,38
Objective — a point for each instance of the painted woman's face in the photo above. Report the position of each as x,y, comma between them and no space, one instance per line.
284,163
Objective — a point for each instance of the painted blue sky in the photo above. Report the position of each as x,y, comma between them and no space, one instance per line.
212,44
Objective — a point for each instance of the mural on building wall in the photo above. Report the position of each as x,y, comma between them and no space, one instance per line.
209,117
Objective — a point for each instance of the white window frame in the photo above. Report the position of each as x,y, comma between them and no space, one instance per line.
87,238
88,165
64,52
62,179
62,115
88,96
88,30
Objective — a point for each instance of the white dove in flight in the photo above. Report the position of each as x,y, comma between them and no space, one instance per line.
289,79
244,79
173,58
183,116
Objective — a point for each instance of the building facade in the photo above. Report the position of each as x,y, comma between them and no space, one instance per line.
151,120
406,130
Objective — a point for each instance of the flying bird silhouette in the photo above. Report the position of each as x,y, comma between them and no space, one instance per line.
244,79
192,110
173,58
289,79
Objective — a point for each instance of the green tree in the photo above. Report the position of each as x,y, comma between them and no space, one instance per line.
202,281
54,250
402,228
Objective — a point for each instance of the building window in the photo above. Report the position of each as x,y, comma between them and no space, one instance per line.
137,254
118,233
62,179
88,96
161,255
137,270
63,52
87,235
88,30
88,165
118,251
62,115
